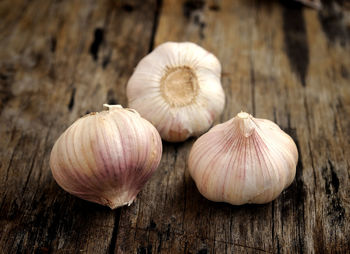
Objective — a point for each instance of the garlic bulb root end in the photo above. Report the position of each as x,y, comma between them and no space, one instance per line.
119,202
177,88
112,106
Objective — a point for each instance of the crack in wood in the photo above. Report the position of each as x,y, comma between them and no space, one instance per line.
156,18
193,11
112,246
53,44
191,6
71,100
128,7
295,40
95,46
273,222
332,21
336,211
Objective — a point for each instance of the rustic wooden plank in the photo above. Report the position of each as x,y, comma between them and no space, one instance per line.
280,62
58,60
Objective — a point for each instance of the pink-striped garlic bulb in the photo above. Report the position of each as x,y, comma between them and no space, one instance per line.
244,160
106,157
177,88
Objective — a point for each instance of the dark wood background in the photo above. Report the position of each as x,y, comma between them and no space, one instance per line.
61,59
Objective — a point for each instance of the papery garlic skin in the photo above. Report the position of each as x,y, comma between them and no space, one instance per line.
106,157
177,88
244,160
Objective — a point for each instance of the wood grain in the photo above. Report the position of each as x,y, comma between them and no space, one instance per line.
59,59
281,61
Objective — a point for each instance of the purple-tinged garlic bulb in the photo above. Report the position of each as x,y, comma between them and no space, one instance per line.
244,160
106,157
177,88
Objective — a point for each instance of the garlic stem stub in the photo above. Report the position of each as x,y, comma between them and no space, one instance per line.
106,157
177,88
244,160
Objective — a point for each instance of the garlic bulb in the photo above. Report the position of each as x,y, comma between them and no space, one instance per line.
106,157
244,160
177,88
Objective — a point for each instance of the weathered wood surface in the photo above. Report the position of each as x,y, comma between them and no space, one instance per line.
61,59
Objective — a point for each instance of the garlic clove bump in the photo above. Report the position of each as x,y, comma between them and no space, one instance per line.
177,88
244,160
106,157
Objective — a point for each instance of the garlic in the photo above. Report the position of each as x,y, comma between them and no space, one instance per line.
177,88
244,160
106,157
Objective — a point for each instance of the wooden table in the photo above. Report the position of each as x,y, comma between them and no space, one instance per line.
62,59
